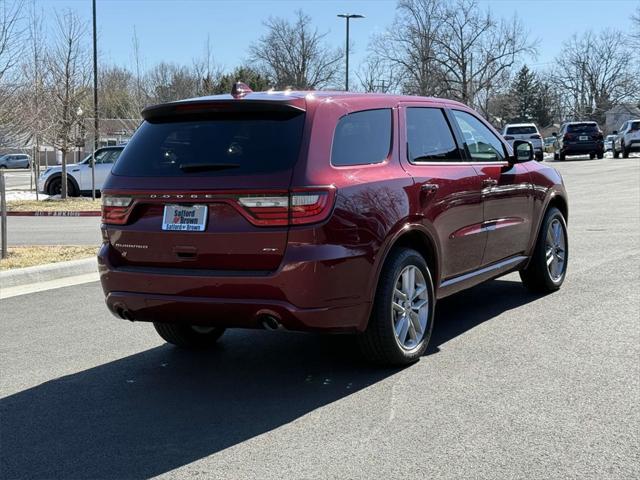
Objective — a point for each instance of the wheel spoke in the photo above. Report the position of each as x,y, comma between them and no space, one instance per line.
408,281
550,241
400,294
402,327
420,304
415,322
397,307
550,256
420,289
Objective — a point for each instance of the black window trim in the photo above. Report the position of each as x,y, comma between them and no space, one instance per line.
454,134
383,161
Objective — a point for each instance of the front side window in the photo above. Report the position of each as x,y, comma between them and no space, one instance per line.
481,142
362,138
429,138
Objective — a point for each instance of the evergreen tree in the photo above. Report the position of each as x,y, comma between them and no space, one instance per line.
524,93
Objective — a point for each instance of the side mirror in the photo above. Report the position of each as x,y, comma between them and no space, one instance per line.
554,134
615,132
523,151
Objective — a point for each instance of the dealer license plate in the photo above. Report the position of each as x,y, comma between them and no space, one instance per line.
190,218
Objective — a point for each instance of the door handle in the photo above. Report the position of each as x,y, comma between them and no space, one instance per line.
489,182
429,188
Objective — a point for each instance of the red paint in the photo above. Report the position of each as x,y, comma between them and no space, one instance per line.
322,275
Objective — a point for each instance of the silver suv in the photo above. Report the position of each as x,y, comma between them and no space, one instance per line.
627,140
528,132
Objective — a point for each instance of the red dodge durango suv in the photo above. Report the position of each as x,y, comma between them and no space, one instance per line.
321,211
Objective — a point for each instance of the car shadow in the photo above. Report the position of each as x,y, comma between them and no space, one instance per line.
466,310
157,410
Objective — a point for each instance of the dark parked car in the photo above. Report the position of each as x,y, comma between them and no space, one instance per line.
579,138
321,211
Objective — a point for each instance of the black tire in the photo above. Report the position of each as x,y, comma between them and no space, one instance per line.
556,157
378,343
625,151
563,157
55,187
615,153
3,166
536,276
592,156
539,156
186,336
600,155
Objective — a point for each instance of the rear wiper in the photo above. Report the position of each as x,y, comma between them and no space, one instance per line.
206,167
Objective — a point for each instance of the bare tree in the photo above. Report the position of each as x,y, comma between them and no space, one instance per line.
11,49
635,28
595,72
376,76
68,76
206,71
407,49
293,54
475,50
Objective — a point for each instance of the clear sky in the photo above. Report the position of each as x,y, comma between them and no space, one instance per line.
176,30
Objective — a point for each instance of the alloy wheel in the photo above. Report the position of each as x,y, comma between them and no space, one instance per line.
410,307
555,250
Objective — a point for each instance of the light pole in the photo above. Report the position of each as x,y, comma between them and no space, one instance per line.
347,17
96,125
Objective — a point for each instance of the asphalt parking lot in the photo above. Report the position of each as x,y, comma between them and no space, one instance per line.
514,385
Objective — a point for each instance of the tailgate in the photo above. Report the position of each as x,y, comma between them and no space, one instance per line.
206,191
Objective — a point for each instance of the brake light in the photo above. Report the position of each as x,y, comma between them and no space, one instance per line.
300,207
266,209
508,137
536,136
115,210
567,136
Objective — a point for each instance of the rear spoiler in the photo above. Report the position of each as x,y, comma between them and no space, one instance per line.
204,107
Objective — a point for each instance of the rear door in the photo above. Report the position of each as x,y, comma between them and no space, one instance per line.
228,170
447,189
507,193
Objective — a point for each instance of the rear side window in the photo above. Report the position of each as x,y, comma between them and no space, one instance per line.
581,127
362,138
635,126
429,138
521,130
221,144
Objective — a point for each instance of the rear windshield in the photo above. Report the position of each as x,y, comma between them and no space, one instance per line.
582,127
521,130
221,145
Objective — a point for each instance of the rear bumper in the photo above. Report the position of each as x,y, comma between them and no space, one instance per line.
582,148
316,293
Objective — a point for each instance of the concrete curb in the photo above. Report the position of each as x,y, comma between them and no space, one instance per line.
57,213
50,271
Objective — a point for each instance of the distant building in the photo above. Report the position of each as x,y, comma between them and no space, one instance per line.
619,114
113,131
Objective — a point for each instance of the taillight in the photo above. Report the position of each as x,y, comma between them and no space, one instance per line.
567,136
508,137
536,136
115,209
300,207
266,209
